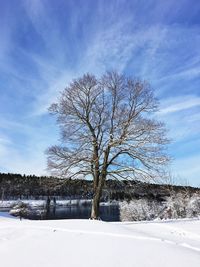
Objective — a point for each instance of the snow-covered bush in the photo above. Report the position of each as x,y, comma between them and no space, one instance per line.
176,206
193,206
184,205
19,209
138,210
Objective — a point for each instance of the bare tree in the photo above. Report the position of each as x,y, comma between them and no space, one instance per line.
108,130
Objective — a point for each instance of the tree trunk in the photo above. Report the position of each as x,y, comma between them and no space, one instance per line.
95,206
97,197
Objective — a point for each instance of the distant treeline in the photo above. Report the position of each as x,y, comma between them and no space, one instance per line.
26,186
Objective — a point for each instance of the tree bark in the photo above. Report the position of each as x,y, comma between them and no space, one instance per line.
96,198
95,207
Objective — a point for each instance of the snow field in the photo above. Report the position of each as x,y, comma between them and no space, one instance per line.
96,243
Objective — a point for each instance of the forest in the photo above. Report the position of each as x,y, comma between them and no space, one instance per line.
14,186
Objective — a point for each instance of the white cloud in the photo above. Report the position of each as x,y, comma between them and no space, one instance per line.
188,72
182,118
179,103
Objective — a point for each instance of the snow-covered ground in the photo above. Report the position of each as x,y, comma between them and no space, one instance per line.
96,243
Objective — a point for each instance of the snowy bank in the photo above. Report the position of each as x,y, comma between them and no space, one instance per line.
96,243
62,202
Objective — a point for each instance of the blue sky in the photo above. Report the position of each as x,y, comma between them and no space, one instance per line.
45,44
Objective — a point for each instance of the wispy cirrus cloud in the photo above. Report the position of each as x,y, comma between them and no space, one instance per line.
177,104
181,115
112,48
